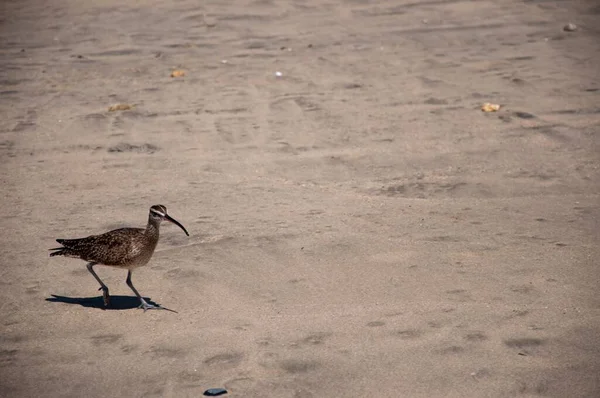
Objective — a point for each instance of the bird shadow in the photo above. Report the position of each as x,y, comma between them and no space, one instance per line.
116,302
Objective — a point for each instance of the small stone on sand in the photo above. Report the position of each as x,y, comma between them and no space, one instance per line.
214,392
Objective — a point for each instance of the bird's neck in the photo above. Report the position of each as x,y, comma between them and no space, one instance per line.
152,229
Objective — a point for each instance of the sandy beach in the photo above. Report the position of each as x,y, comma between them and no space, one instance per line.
359,227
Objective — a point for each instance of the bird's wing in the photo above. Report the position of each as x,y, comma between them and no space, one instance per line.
111,248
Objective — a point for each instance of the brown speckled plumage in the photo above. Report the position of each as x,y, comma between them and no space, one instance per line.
127,248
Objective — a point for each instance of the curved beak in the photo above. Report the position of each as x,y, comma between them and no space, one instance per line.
174,221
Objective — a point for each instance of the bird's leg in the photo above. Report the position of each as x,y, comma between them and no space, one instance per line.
145,305
105,295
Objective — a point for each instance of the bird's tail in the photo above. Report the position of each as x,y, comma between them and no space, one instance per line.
61,251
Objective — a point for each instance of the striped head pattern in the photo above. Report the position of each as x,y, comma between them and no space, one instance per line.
158,211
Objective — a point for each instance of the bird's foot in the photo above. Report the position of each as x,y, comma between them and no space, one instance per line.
147,306
105,296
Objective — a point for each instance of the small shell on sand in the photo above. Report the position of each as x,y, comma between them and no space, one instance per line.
119,107
488,107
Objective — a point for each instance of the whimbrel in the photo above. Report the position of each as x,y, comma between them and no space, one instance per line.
127,248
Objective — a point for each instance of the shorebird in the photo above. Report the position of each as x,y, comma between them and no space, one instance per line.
127,248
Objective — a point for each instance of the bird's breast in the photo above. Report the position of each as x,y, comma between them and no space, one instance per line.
141,253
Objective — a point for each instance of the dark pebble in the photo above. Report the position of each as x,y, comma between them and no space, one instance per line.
214,392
